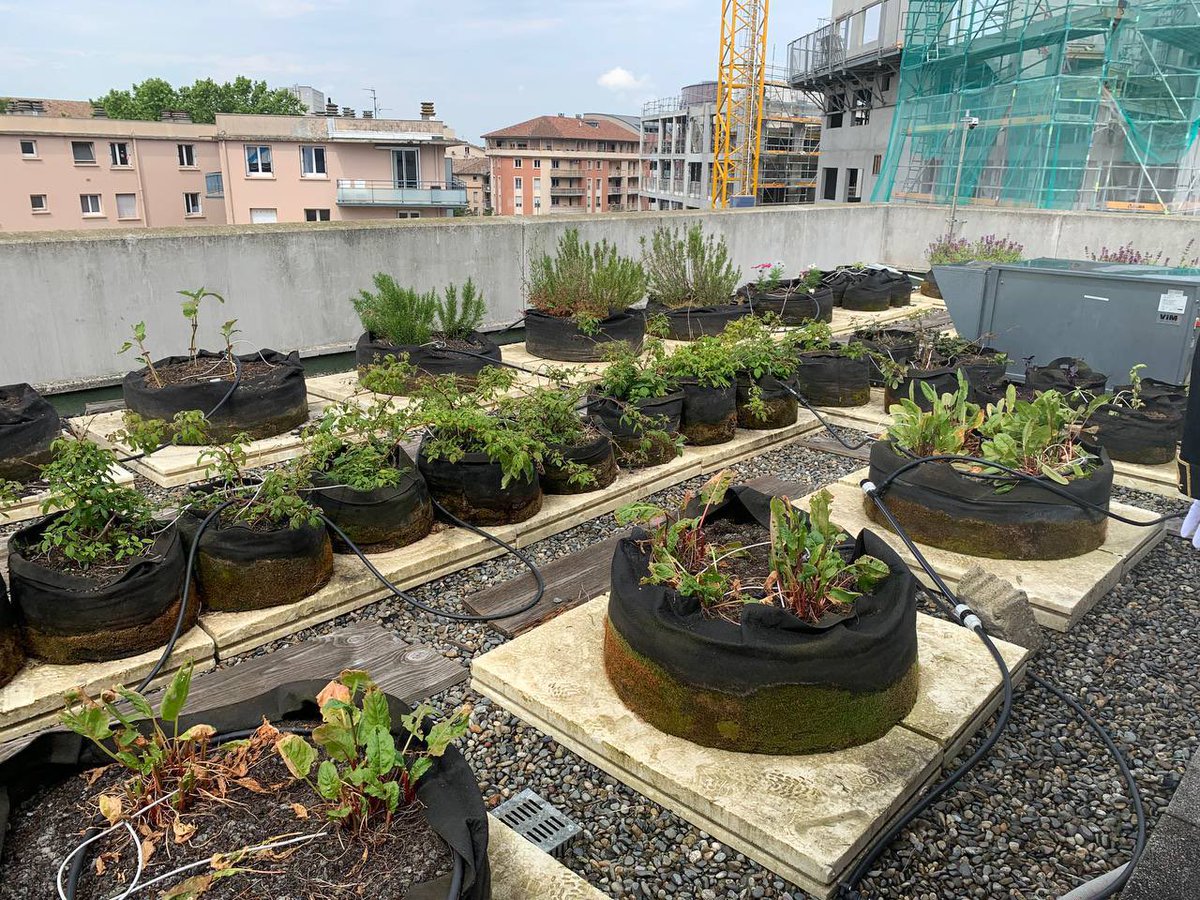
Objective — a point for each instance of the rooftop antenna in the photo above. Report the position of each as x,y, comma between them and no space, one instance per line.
374,102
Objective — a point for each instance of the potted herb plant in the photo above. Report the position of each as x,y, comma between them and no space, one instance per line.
1138,429
101,578
435,335
741,622
766,360
691,282
374,792
268,546
260,394
578,456
580,299
363,480
978,510
638,405
793,301
480,463
830,373
28,426
706,372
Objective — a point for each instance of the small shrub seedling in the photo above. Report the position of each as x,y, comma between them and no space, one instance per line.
459,318
188,427
143,355
708,359
191,312
354,445
396,314
276,498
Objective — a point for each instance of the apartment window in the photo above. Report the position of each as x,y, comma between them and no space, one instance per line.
127,206
89,204
37,203
589,163
862,108
263,216
258,159
29,149
83,152
828,184
406,214
187,155
537,163
214,184
518,183
517,163
316,215
885,83
118,152
191,204
312,162
876,163
554,163
537,185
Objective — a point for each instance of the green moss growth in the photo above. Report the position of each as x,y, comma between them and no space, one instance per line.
781,720
112,643
12,656
236,586
701,434
779,414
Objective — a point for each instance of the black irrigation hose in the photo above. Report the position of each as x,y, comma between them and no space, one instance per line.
820,418
237,381
441,345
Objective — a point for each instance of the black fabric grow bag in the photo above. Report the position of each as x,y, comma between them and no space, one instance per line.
239,568
68,618
943,379
792,303
709,413
28,426
1057,376
471,490
829,378
261,407
981,368
554,337
995,392
1146,436
692,322
772,683
429,360
900,293
664,413
596,454
837,281
871,292
449,792
894,343
942,507
380,519
12,654
782,407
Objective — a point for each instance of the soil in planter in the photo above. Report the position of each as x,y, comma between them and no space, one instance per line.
48,825
253,373
596,453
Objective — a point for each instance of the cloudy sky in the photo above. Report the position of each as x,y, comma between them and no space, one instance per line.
485,63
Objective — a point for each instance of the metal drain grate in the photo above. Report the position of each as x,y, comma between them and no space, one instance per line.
538,822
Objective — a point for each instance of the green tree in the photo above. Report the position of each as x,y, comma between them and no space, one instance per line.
201,100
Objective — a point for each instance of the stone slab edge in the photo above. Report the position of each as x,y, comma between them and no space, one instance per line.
520,871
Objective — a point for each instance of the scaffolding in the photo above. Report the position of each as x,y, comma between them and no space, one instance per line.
1080,105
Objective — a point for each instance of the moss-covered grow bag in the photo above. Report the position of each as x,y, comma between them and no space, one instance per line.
240,568
12,654
269,400
941,507
473,489
596,453
448,793
709,413
380,519
781,405
73,618
664,414
560,338
830,378
28,426
691,322
429,361
771,683
1146,436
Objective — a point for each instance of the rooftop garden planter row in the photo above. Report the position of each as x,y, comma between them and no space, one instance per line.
647,441
270,398
779,407
831,378
430,361
595,453
748,673
379,518
709,413
12,653
248,795
562,338
1065,374
691,322
473,488
28,426
70,616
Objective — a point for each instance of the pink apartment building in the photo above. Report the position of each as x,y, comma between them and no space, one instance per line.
74,172
562,164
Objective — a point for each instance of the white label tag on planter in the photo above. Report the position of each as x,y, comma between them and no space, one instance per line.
1172,301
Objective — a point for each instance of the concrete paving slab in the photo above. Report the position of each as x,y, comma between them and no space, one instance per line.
31,701
174,466
30,506
805,818
845,320
520,871
1060,591
1162,480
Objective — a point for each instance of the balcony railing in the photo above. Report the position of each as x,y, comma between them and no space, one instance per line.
566,191
360,192
869,33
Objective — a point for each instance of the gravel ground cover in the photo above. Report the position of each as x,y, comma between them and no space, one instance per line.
1043,812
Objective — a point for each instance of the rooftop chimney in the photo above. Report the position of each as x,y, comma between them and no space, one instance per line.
368,114
347,112
331,108
98,111
174,115
427,110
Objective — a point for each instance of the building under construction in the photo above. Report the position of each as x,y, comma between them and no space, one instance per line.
1074,105
679,140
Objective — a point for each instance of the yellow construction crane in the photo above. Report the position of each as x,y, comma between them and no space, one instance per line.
740,76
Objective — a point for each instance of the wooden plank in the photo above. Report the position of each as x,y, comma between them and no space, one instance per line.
826,443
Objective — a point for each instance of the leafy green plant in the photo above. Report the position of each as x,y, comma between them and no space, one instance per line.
354,444
768,278
396,314
10,492
277,497
1132,398
550,414
688,269
633,375
458,318
947,427
366,776
709,360
761,349
188,427
100,522
389,375
1039,436
143,355
191,312
584,282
